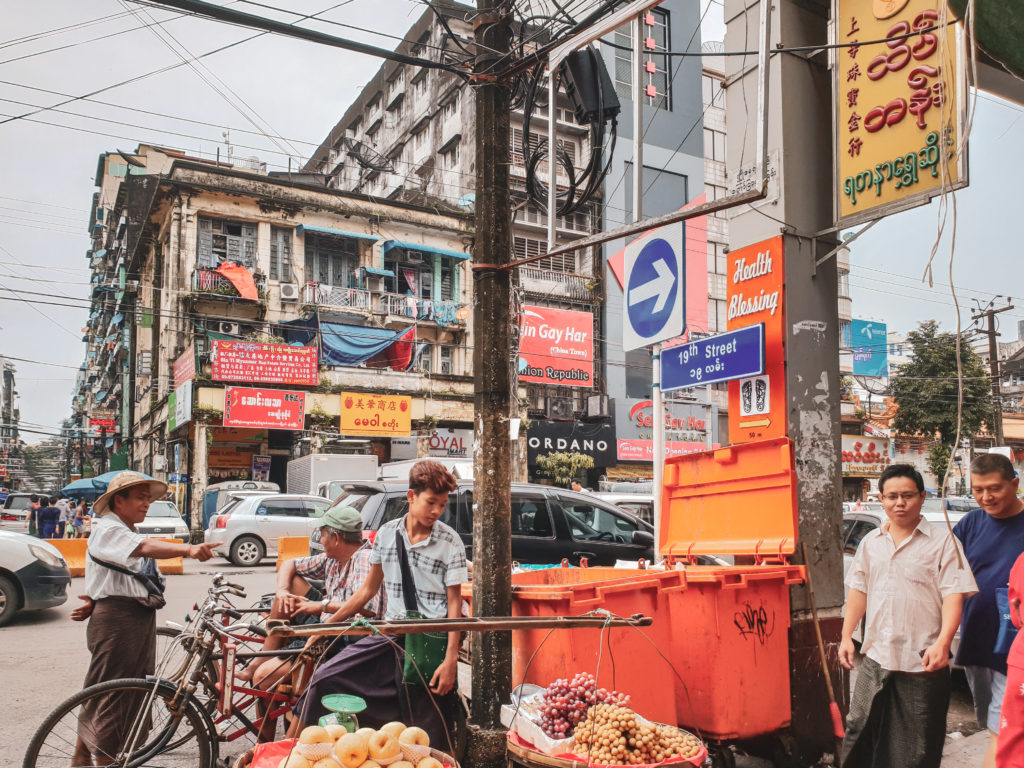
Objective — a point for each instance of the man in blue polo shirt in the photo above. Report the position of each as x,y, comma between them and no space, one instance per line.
993,538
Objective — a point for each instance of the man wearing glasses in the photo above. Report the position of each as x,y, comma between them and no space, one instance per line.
908,580
993,538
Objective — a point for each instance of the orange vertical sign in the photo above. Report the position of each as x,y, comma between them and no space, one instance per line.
757,405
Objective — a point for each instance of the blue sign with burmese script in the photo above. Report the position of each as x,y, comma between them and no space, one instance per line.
726,356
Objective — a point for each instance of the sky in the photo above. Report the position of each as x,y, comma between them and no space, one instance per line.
296,91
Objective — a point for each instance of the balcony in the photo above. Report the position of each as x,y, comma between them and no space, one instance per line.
335,298
444,313
563,285
213,284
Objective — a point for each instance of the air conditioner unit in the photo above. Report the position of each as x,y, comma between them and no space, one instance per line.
159,462
560,408
228,328
414,257
374,283
289,292
598,406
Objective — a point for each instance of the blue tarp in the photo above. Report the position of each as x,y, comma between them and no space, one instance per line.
389,244
344,344
335,232
117,319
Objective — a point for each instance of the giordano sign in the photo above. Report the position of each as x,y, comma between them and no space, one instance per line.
898,106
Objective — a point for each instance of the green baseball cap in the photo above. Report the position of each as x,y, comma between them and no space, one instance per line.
344,519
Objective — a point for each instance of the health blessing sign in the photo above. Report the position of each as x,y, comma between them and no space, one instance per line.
556,346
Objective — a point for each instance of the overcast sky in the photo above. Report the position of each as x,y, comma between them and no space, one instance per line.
297,91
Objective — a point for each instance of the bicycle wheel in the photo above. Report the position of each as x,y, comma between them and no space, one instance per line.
173,662
97,725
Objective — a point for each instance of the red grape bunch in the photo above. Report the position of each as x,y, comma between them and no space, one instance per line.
566,703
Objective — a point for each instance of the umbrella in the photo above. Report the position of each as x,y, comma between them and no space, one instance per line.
91,488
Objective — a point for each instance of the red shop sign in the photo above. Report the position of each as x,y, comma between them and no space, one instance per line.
270,408
264,363
556,346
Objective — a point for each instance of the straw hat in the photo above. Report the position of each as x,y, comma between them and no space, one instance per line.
124,480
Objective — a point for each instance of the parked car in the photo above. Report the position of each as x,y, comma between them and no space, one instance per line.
247,529
33,575
218,495
16,506
639,504
163,521
548,524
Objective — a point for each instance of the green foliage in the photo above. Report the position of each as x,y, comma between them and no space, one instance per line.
925,390
564,466
938,461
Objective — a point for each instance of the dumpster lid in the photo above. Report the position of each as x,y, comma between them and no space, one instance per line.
737,500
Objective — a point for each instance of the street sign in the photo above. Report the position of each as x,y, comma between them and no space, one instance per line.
655,279
723,357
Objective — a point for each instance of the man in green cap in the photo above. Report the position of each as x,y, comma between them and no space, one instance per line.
343,567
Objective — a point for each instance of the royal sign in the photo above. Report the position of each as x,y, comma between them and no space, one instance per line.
899,107
556,346
264,363
269,408
375,415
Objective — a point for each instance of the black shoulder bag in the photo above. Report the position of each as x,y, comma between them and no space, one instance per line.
424,651
148,576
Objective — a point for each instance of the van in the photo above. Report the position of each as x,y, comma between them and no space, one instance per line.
219,494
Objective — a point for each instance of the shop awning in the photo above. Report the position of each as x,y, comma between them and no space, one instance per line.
390,244
102,252
302,228
378,272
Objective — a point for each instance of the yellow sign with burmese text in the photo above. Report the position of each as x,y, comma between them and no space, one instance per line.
899,97
369,414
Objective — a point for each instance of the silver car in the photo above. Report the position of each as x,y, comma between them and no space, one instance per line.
163,521
247,529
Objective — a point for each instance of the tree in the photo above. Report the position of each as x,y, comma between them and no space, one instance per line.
925,390
938,460
563,467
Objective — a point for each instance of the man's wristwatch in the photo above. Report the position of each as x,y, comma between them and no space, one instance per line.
324,603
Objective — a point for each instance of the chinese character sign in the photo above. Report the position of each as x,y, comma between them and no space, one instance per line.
369,414
870,348
898,106
264,363
556,346
271,408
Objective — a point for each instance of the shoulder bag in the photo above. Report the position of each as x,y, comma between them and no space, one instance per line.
148,576
424,651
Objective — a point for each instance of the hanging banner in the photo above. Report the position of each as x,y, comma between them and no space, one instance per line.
556,346
870,348
264,363
185,366
899,107
271,408
261,468
757,404
367,414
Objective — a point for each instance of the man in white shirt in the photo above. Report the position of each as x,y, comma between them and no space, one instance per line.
909,580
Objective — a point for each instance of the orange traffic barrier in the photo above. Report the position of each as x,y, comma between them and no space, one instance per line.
290,547
73,552
172,566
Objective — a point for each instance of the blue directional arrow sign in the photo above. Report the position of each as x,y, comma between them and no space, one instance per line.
655,279
726,356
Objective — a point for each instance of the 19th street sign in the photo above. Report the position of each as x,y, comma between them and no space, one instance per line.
726,356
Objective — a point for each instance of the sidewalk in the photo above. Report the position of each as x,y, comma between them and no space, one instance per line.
966,752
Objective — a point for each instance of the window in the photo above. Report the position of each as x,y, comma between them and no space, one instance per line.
536,139
530,517
426,359
844,284
589,523
858,531
447,283
282,508
317,508
446,355
450,157
657,80
714,145
449,108
845,334
524,247
280,254
413,276
221,240
331,260
421,139
712,92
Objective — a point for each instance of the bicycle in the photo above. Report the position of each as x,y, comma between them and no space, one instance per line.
179,721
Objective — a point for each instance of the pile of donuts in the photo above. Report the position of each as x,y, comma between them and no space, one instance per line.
392,745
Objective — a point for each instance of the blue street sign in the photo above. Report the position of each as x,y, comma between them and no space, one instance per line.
655,278
726,356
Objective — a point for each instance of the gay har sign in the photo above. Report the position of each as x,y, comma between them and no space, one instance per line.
556,346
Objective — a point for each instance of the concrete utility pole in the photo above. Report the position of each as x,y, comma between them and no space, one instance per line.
993,365
799,129
493,389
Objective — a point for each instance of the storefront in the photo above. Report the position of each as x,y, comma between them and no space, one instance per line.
594,439
864,458
687,428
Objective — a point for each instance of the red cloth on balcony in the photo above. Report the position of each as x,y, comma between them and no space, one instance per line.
398,355
241,278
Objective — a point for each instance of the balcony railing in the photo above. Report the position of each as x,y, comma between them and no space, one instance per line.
558,284
211,282
333,297
444,313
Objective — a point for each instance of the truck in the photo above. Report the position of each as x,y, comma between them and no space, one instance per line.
318,472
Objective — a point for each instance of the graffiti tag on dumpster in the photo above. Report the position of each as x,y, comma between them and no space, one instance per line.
755,622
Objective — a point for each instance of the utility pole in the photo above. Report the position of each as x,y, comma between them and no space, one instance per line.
993,364
493,390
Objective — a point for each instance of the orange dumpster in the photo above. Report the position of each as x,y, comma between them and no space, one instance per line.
290,547
73,552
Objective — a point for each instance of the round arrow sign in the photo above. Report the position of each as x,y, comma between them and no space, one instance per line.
651,292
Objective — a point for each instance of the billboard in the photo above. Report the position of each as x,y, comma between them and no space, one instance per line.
270,408
556,346
257,363
442,444
870,348
899,104
373,415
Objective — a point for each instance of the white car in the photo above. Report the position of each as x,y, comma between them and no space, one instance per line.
163,521
247,529
33,575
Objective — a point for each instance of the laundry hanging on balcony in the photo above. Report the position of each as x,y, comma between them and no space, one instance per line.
398,355
241,278
348,345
